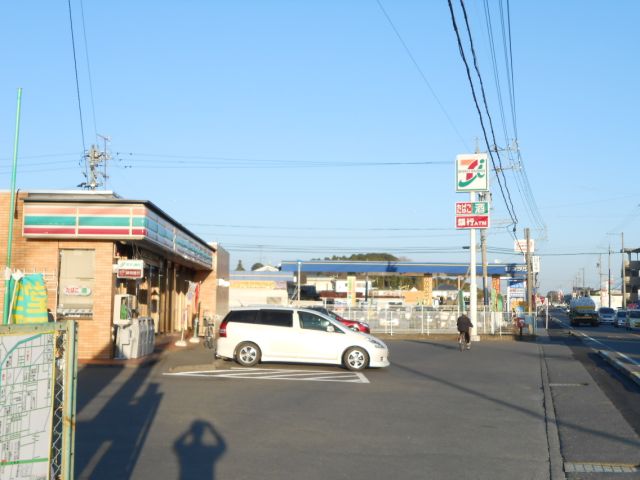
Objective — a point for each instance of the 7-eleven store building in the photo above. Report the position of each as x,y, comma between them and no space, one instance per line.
77,239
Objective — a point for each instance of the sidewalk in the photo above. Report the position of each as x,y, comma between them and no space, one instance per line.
593,435
165,347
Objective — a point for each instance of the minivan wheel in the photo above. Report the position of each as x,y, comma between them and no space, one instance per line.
248,354
355,358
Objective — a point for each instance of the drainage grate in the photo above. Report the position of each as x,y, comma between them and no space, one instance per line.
599,468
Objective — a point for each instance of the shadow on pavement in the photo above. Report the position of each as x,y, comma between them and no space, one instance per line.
198,449
108,443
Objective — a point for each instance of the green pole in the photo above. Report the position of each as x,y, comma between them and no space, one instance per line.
7,296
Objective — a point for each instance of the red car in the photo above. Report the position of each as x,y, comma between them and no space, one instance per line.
352,324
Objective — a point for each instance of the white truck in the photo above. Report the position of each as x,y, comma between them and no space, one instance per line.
583,310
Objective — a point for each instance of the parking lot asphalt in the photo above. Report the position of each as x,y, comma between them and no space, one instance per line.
504,410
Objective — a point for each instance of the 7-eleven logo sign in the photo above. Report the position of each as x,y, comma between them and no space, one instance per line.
472,173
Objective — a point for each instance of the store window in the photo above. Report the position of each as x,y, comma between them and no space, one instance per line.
75,285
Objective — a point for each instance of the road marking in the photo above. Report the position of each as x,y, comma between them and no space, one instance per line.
606,351
278,374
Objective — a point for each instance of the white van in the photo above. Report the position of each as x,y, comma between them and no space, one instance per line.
285,334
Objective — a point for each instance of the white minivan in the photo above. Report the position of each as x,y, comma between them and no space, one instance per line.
285,334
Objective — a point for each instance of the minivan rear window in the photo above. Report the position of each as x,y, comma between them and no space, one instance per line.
242,316
276,318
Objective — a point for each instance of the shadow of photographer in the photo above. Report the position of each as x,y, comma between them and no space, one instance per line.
198,449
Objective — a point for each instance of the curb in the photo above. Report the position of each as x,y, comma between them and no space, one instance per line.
619,361
556,470
623,364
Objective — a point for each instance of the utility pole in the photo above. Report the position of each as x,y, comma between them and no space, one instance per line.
483,249
624,283
609,278
529,277
600,277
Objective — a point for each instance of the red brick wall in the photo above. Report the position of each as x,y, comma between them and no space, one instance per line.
42,256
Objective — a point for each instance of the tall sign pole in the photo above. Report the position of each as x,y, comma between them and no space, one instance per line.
530,301
473,282
7,282
472,176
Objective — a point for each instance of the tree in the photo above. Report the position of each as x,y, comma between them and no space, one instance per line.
239,268
256,266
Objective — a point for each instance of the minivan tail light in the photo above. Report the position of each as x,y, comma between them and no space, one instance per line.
223,329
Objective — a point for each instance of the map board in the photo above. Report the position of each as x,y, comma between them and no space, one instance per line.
33,385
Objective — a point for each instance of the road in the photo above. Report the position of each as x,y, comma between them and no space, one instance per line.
612,338
504,410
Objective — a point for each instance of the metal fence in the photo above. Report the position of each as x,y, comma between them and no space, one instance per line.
407,319
38,374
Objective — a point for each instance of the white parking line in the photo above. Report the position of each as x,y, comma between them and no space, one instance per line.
278,374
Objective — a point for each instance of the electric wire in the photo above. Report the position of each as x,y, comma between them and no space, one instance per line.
519,172
475,100
486,107
86,50
351,229
509,62
519,168
421,73
75,66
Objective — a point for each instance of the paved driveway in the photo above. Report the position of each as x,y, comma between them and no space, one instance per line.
435,413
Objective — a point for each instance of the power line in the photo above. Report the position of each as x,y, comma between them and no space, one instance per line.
520,173
86,50
486,107
475,101
422,74
509,63
200,161
75,66
275,227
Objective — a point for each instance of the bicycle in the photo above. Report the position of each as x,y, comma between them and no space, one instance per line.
210,334
462,341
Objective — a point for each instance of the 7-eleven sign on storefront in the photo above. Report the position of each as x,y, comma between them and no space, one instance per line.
472,172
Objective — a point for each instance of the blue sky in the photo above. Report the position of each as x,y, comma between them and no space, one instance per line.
295,130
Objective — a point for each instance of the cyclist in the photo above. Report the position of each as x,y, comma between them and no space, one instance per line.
464,324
